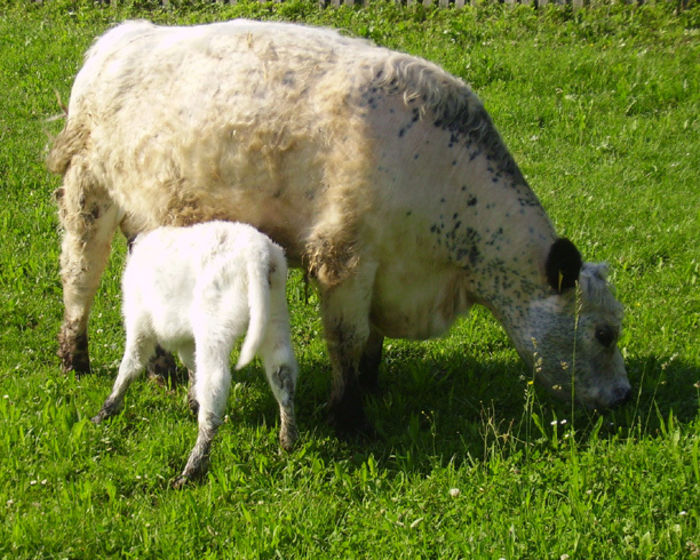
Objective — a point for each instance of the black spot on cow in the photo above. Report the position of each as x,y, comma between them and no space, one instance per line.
529,201
469,248
288,79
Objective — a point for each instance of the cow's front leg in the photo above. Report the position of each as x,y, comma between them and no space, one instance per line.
371,358
345,308
89,219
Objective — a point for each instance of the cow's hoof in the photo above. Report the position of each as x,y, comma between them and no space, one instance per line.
109,409
347,416
73,352
369,381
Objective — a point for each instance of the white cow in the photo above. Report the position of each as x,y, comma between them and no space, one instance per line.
194,291
378,172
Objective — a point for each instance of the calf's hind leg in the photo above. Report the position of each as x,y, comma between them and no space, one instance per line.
281,370
89,219
212,383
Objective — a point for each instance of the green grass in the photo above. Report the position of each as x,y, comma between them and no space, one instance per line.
600,108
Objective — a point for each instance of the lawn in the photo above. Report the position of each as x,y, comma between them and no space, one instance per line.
600,108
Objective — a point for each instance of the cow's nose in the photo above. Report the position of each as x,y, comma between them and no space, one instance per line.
621,396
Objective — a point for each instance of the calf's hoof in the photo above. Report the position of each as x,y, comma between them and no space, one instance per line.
288,438
109,408
180,482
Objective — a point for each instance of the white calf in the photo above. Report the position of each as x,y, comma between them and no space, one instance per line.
194,291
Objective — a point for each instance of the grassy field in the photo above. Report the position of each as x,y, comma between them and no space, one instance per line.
601,109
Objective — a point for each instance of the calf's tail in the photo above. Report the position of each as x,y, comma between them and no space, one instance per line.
259,309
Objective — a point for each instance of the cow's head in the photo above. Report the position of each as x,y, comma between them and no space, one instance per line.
574,332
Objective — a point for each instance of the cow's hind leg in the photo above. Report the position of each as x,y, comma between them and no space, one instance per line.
89,219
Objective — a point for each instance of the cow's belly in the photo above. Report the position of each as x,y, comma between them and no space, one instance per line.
413,299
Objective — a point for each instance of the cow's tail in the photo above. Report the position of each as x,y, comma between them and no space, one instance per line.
258,271
70,141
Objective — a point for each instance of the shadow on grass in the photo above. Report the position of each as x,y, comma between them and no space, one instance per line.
450,408
453,408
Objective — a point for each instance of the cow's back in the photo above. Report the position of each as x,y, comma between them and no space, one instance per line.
298,131
239,121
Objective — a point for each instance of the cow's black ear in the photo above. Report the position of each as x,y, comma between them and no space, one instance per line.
563,265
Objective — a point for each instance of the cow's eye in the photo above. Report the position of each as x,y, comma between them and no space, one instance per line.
606,335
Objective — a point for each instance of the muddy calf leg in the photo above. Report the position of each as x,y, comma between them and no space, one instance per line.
283,383
211,388
198,461
279,362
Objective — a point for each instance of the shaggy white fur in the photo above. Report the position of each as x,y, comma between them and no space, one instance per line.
194,291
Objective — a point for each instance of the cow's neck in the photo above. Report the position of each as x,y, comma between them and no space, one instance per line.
495,229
